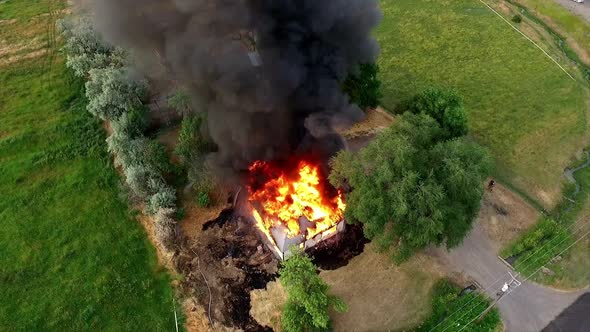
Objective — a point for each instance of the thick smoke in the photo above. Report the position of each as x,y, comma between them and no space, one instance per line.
290,103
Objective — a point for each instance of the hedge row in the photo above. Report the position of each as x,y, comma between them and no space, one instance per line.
116,96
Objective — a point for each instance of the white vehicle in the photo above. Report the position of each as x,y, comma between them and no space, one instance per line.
578,1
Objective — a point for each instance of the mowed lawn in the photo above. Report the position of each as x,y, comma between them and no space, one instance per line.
520,104
72,257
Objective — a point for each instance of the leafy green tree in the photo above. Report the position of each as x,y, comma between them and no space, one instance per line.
412,187
111,92
308,301
364,87
445,106
85,48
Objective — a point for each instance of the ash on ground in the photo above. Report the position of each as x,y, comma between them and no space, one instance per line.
336,251
229,255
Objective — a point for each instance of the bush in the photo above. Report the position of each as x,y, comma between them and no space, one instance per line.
111,93
165,228
180,100
533,238
364,87
537,246
446,301
163,199
517,18
144,181
203,199
131,124
308,301
85,47
190,143
445,106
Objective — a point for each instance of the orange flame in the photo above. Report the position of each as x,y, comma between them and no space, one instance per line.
287,198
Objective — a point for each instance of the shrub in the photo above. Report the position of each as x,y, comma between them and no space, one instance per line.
364,87
203,183
517,18
180,100
85,47
308,301
190,143
165,228
203,199
534,237
446,301
163,199
111,93
131,124
144,181
444,105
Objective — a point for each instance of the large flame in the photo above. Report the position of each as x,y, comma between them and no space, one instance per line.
287,197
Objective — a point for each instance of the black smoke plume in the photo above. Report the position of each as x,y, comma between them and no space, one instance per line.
290,102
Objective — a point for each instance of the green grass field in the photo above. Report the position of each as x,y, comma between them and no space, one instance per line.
559,17
521,105
73,258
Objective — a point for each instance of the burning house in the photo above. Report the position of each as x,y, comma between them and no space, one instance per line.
293,206
269,76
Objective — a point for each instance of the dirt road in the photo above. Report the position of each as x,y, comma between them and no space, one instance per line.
530,307
581,9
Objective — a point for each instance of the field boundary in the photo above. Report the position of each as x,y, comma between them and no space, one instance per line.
529,39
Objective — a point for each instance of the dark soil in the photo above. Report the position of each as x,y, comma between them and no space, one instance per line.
338,250
231,257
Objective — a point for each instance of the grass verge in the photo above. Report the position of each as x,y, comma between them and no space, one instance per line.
73,257
550,236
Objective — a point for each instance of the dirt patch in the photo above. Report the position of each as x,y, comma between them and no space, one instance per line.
7,22
376,120
267,305
504,216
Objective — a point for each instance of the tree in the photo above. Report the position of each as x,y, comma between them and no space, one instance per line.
85,47
444,105
308,300
364,87
412,186
111,92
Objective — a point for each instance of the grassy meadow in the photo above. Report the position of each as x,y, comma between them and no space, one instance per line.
561,19
520,104
73,258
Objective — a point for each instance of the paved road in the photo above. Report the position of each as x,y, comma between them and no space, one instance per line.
530,307
582,9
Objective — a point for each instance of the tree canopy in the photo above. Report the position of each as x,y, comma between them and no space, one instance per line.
364,87
444,105
112,92
86,48
308,300
412,186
